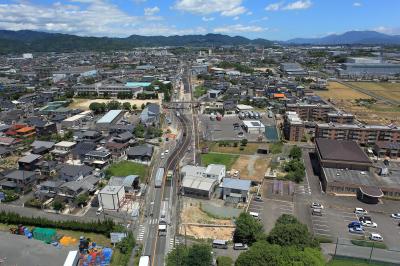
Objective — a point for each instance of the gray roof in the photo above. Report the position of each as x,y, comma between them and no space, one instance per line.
20,174
341,150
29,158
353,177
215,169
236,184
122,181
74,170
38,143
140,150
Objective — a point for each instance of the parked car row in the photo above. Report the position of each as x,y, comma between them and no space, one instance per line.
223,244
249,114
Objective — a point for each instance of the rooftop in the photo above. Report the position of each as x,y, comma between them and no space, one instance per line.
236,184
341,150
110,116
111,189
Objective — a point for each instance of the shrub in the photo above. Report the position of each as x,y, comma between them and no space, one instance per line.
10,195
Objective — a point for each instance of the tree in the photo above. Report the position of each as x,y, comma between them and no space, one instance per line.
244,142
199,255
97,108
178,256
58,205
295,152
126,106
248,229
113,105
143,106
139,131
82,199
134,107
224,261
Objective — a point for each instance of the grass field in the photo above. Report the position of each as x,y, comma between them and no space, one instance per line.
385,89
337,91
125,168
249,149
352,262
83,104
219,158
199,91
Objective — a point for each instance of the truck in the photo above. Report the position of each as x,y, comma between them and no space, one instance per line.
170,174
144,261
163,221
159,177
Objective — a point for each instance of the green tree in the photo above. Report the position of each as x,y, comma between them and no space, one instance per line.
143,106
58,205
126,106
177,256
139,131
82,199
248,229
97,108
224,261
295,152
244,142
199,255
134,107
113,105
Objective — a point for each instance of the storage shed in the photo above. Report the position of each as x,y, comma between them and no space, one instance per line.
111,197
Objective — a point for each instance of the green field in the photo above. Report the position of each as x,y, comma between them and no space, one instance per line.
218,158
125,168
352,262
199,91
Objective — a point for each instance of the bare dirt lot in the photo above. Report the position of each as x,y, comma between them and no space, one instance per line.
84,103
192,214
252,167
345,97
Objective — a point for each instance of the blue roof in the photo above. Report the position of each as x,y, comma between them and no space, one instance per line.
109,117
236,184
137,84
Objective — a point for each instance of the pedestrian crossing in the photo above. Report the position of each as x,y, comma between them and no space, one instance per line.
303,189
140,235
153,221
174,242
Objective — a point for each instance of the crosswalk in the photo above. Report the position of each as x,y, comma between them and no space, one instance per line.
153,221
140,235
174,242
303,189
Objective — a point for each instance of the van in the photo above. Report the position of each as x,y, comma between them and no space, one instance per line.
99,210
375,237
240,246
222,244
255,215
316,212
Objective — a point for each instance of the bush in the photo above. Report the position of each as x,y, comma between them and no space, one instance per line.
34,203
224,261
9,195
100,227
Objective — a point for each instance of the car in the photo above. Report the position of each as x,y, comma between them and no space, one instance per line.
354,224
375,237
356,230
316,212
369,224
365,218
166,151
316,205
162,155
236,173
240,246
395,215
360,211
258,198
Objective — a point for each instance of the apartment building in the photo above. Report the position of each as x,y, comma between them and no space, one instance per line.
310,112
293,127
363,134
341,118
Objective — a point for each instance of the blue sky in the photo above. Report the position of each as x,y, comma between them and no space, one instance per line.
269,19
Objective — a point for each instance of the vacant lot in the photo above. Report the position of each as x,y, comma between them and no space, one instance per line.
338,92
219,158
250,148
83,104
252,167
125,168
387,90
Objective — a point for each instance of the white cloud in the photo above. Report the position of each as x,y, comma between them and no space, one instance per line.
274,6
236,18
297,5
249,13
357,4
151,11
388,30
206,19
95,18
301,4
238,28
204,7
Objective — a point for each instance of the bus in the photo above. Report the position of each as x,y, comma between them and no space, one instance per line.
159,177
163,221
144,261
170,174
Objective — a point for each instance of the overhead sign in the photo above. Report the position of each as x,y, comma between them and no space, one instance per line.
117,237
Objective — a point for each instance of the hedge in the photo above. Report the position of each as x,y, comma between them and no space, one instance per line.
100,227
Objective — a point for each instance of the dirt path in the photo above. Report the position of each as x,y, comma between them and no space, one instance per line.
250,165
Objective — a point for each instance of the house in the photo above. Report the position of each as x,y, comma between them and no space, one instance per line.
48,189
111,197
235,190
117,149
19,181
88,136
42,147
130,182
68,191
141,152
123,137
98,158
121,128
28,162
42,127
63,149
5,151
150,115
81,149
73,172
8,141
213,171
46,168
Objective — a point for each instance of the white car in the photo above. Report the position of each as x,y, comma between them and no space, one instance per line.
360,211
395,215
369,224
376,237
316,205
166,151
162,155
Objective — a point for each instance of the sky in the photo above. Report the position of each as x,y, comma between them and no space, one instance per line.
269,19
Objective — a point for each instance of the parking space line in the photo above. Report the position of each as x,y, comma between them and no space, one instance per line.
323,234
321,225
282,201
323,230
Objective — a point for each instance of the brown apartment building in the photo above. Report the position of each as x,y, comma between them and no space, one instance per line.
362,134
293,127
341,118
310,112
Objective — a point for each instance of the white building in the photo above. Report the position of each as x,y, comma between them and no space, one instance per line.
213,171
111,197
254,126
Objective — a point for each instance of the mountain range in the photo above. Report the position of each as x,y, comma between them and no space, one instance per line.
351,37
35,41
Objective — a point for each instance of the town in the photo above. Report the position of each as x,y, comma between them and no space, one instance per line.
131,157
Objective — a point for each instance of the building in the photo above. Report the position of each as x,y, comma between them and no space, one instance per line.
310,112
28,162
363,134
235,190
150,115
98,158
199,187
110,118
19,180
141,152
352,70
74,172
102,89
293,127
341,118
130,182
214,171
254,126
293,69
112,197
387,149
76,120
62,150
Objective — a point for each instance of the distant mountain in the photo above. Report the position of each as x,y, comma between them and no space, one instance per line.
33,41
351,37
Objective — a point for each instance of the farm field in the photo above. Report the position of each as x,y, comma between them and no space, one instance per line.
345,98
385,89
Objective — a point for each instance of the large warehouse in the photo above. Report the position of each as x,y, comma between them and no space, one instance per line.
109,119
199,187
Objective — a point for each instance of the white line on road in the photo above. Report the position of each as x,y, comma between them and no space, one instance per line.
323,230
323,234
321,225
